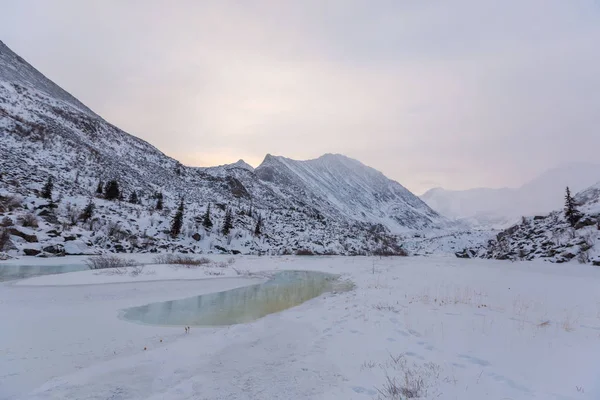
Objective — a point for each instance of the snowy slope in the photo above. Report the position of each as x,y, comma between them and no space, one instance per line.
16,70
343,187
501,207
332,204
589,199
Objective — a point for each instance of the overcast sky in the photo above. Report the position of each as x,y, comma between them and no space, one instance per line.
458,94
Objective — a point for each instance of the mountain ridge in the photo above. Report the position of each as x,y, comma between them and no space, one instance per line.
329,204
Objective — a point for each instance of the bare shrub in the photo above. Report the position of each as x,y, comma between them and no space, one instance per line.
28,220
413,381
137,270
72,214
179,259
6,222
393,390
386,307
583,257
221,264
304,252
390,252
114,230
569,322
11,202
109,261
214,273
368,365
242,272
5,242
544,324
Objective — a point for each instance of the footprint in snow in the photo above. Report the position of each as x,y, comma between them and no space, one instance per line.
509,382
475,360
596,328
362,390
413,354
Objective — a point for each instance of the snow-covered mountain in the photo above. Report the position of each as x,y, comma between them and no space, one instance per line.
331,204
500,207
589,199
345,188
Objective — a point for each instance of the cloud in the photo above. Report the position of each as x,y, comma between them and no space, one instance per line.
463,93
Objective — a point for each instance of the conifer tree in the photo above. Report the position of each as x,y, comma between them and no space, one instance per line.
133,198
177,221
258,228
47,189
227,223
88,211
572,214
111,190
206,221
100,187
159,201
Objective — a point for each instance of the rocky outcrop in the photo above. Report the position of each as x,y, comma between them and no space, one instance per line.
549,238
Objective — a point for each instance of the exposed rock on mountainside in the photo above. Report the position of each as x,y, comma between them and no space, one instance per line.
332,204
550,237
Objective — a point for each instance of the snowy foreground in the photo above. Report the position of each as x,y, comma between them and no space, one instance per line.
444,327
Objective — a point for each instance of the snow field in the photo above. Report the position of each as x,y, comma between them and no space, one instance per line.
451,328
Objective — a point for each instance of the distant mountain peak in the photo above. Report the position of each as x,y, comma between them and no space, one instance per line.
242,164
346,187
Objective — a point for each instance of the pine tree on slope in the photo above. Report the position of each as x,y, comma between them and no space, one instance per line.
111,190
133,198
177,221
159,201
572,214
258,228
47,189
227,223
88,211
206,221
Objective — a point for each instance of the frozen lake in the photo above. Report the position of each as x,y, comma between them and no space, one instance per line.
236,306
9,272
